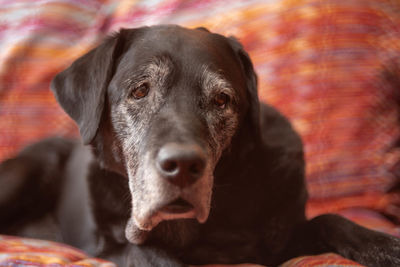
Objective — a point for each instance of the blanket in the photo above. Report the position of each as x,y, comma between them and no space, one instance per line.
331,66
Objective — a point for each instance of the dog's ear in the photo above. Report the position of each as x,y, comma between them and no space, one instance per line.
81,88
251,84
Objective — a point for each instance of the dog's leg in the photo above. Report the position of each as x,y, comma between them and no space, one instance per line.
333,233
31,179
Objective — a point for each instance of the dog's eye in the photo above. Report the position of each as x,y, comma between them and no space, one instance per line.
140,91
221,100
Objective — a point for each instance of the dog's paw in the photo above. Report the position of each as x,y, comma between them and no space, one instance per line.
378,249
365,246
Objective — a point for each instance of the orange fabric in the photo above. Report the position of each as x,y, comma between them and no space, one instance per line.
325,64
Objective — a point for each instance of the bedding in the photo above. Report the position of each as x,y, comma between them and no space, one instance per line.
331,66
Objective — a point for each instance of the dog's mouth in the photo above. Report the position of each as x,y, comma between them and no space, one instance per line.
178,206
176,209
137,231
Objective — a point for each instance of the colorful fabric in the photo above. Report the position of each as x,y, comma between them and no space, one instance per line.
16,251
328,259
330,66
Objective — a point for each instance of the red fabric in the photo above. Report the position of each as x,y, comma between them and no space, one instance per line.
330,66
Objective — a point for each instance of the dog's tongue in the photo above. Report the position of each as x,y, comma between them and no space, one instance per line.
134,234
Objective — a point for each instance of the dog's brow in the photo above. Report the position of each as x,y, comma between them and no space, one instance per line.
212,80
157,68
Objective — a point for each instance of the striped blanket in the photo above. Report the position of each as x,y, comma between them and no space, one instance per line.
331,66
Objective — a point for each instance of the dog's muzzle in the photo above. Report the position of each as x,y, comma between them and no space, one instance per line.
177,183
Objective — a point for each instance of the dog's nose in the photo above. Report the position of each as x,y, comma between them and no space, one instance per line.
181,164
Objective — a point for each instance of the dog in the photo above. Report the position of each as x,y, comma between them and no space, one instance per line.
180,163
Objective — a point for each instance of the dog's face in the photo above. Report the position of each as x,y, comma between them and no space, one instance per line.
161,105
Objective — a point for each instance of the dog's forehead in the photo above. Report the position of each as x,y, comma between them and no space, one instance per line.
189,49
197,44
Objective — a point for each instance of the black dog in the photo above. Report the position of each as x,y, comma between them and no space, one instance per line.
186,166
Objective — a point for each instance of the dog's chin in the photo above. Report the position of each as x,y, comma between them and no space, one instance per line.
137,229
134,234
